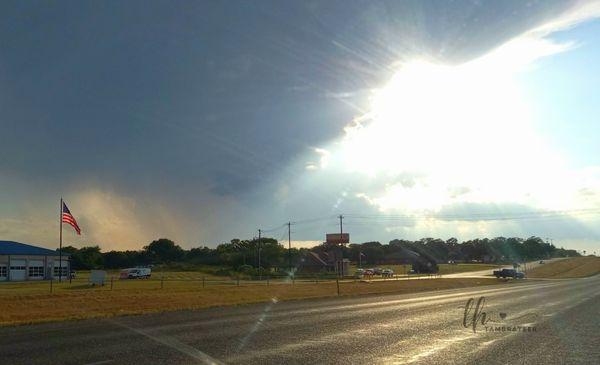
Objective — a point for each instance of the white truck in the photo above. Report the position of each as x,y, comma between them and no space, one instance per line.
136,273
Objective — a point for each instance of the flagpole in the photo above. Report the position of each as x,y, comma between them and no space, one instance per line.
60,244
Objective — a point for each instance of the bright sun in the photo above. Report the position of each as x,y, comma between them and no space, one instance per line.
438,117
455,126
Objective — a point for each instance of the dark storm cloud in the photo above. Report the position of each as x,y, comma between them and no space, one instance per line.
200,105
224,93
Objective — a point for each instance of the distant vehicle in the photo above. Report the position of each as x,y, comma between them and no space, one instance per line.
509,273
542,262
387,273
359,273
136,273
72,274
369,272
377,271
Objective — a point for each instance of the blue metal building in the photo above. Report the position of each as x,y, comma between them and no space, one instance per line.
23,262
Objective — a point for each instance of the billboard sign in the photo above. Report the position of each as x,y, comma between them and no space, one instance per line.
337,238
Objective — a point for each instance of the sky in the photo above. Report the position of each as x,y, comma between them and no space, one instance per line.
204,121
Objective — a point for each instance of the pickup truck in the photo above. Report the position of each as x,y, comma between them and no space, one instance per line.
508,273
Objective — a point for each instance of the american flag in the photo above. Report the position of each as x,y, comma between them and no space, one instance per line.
67,217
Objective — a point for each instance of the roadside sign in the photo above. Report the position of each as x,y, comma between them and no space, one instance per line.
337,238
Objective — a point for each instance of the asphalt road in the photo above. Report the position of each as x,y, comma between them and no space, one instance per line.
559,323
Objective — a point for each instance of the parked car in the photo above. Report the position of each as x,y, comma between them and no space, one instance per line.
542,262
509,273
359,273
72,274
387,273
369,272
377,271
136,273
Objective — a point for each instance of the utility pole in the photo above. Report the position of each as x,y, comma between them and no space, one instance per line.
259,271
60,245
341,267
290,245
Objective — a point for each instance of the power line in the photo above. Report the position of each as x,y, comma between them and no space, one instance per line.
275,229
357,220
473,215
312,220
479,216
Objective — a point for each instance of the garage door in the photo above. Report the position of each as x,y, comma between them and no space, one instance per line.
17,270
3,272
57,266
36,269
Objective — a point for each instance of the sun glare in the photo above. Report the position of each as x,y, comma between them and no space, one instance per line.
438,117
465,125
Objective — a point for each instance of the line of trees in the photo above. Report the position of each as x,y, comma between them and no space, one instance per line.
495,250
164,251
244,253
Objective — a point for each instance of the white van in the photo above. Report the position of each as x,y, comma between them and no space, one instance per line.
136,273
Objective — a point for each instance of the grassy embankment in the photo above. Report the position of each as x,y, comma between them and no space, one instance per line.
576,267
